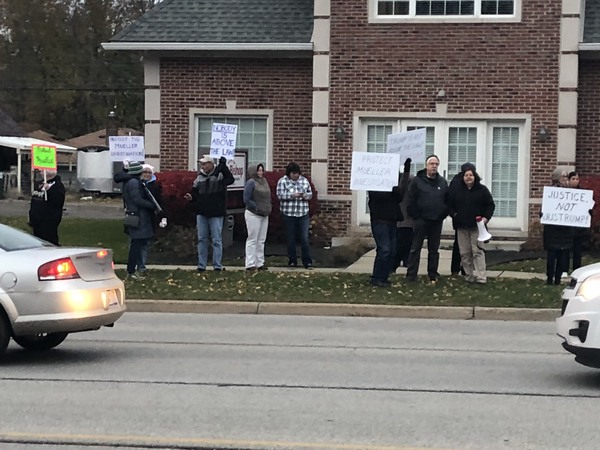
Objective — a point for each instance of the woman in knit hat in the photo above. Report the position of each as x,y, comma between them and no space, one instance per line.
257,198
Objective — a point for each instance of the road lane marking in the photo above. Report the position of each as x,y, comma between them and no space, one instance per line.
185,443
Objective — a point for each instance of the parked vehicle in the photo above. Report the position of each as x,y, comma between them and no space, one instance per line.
47,292
579,323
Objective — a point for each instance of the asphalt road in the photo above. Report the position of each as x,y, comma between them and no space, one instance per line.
279,382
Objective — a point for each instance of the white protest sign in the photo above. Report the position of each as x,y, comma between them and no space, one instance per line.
408,144
374,171
126,147
222,140
568,207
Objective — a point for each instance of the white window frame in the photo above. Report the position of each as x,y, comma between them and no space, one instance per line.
483,159
477,17
194,113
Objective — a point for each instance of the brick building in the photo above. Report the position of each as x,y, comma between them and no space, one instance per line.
511,85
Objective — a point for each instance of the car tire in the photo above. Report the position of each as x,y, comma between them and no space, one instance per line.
40,342
4,332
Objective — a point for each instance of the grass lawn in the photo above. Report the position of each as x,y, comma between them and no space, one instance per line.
536,265
302,286
314,287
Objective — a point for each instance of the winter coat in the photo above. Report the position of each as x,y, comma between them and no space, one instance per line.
428,197
558,237
385,206
46,208
466,204
257,194
209,191
138,202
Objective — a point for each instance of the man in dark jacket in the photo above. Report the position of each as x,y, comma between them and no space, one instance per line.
137,203
384,209
46,208
470,202
209,194
428,206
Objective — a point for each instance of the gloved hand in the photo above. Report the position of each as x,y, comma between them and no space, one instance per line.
163,222
407,164
222,160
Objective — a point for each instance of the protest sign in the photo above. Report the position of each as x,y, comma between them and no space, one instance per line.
408,144
43,157
568,207
126,147
223,140
374,171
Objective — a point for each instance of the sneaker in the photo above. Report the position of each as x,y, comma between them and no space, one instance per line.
292,264
200,269
308,267
219,269
135,276
251,268
263,268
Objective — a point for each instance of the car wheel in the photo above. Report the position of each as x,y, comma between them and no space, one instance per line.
40,342
4,333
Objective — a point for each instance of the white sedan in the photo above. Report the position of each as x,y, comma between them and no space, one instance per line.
579,323
47,292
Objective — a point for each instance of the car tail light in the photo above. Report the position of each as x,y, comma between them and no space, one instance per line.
102,253
61,269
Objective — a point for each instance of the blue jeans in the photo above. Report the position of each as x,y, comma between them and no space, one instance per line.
135,254
209,227
385,241
297,228
144,254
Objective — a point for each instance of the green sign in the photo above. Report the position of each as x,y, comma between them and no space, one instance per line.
43,157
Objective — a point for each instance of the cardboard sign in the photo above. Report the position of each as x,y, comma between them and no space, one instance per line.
126,147
408,144
567,207
374,171
223,140
43,157
238,166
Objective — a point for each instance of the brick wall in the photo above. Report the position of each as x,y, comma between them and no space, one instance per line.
283,85
483,67
588,118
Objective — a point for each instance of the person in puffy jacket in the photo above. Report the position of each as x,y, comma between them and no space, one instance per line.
428,206
384,211
138,203
257,198
46,207
470,202
209,196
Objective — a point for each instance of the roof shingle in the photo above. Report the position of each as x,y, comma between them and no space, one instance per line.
223,21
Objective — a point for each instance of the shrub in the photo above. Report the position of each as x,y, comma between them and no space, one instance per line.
175,184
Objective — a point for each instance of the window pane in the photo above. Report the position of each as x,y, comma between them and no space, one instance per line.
385,8
252,135
497,7
462,148
393,7
467,8
401,8
506,7
423,8
505,165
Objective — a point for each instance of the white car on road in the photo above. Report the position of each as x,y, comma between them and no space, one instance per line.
579,323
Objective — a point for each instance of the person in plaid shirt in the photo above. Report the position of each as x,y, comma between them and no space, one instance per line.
294,192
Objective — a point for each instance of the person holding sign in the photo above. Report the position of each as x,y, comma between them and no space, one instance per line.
558,239
294,192
209,195
384,209
428,206
46,208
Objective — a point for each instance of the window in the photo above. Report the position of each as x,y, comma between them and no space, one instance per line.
505,162
462,148
252,135
443,8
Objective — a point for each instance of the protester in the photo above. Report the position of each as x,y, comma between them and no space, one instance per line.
46,207
257,198
294,192
404,232
558,239
427,205
580,235
209,196
137,203
470,202
160,218
455,263
384,209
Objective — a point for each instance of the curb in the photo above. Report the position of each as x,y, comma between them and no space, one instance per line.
343,309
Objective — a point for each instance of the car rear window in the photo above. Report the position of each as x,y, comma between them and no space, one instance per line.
12,239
